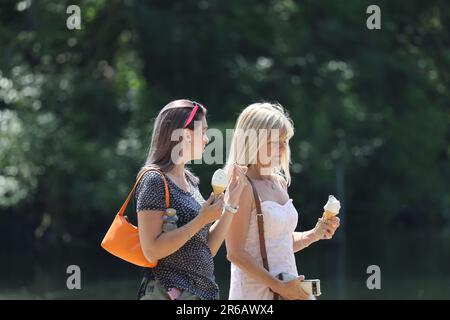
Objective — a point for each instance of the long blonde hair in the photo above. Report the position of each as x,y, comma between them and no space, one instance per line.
260,118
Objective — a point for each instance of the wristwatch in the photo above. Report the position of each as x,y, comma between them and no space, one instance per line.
227,207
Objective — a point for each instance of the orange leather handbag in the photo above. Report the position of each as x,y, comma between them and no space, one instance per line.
122,238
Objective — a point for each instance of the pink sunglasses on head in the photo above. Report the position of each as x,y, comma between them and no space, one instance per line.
192,114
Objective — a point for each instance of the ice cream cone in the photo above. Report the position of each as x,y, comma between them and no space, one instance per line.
218,189
219,181
331,208
328,214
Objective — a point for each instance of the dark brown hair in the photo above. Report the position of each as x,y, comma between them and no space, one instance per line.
172,117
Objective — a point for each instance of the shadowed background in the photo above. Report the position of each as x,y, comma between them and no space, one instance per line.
371,112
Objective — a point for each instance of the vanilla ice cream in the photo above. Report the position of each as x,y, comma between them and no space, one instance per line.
332,207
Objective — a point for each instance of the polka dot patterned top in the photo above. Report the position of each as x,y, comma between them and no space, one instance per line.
191,267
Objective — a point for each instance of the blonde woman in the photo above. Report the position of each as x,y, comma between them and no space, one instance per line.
261,142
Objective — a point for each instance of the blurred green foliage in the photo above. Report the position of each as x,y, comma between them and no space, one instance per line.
371,107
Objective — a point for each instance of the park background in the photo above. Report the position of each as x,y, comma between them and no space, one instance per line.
370,107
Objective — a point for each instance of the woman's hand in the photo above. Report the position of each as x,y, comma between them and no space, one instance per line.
291,290
236,185
211,209
325,228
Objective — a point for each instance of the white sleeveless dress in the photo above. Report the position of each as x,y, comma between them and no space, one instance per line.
280,222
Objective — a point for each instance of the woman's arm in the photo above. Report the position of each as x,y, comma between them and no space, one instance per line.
235,242
324,229
301,240
218,231
304,239
157,244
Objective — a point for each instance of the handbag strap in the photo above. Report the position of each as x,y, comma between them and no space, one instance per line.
166,187
260,219
262,241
